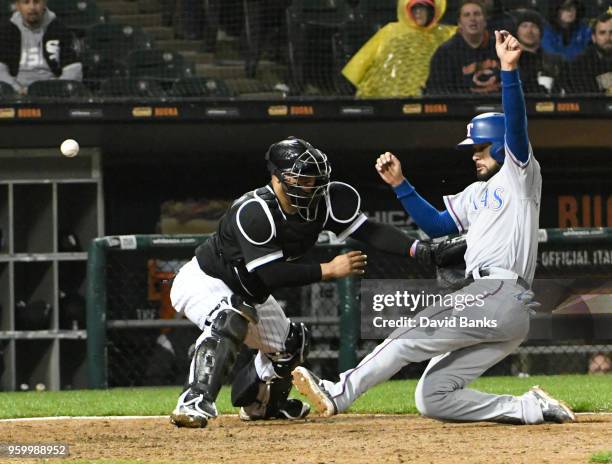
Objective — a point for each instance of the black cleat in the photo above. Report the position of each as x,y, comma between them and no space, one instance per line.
193,410
293,409
290,409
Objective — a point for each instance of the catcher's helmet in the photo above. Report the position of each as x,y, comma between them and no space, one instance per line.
487,128
304,172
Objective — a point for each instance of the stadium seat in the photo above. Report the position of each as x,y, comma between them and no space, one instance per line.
377,13
264,27
308,24
160,64
329,13
131,87
116,40
58,88
98,67
202,22
312,29
6,91
254,88
201,87
345,44
77,15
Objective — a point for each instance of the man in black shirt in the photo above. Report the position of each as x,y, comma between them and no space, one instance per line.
591,72
467,63
540,71
226,288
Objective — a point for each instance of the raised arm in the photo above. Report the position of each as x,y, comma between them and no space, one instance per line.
513,100
435,223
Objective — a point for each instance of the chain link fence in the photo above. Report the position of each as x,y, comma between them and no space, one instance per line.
145,344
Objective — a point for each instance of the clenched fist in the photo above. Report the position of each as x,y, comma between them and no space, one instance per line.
390,169
508,50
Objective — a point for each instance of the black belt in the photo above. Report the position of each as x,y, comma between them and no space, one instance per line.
522,282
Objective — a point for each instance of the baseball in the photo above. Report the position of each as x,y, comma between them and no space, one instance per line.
70,148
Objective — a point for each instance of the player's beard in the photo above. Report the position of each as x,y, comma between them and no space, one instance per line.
488,174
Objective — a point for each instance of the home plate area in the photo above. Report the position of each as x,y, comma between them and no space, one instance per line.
342,439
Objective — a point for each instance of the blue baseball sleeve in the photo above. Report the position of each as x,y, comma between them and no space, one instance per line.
513,101
433,222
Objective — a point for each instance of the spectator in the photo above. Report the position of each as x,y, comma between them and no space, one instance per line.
566,34
592,71
395,61
540,71
36,46
467,63
600,364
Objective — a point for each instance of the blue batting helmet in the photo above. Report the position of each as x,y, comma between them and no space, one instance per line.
487,128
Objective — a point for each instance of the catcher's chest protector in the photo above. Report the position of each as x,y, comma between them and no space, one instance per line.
294,235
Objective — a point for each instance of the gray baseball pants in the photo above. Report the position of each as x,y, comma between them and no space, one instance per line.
458,355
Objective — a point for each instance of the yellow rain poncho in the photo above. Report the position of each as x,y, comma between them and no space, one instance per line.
395,61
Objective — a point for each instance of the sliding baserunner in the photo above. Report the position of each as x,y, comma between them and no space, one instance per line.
500,214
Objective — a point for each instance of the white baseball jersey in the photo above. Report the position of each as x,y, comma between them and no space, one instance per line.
501,217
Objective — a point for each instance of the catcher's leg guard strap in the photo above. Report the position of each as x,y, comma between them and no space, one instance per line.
216,355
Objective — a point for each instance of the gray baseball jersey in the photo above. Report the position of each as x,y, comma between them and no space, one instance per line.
501,220
501,217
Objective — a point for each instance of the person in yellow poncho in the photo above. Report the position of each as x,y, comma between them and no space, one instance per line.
395,61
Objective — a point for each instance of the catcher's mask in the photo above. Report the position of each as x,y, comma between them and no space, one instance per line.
303,171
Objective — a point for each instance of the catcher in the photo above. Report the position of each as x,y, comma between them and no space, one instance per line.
226,288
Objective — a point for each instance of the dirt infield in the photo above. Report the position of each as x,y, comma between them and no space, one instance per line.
342,439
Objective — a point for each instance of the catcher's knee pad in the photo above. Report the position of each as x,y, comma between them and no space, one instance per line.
216,355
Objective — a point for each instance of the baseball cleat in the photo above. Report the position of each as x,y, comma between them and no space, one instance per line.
312,388
291,409
193,411
553,410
